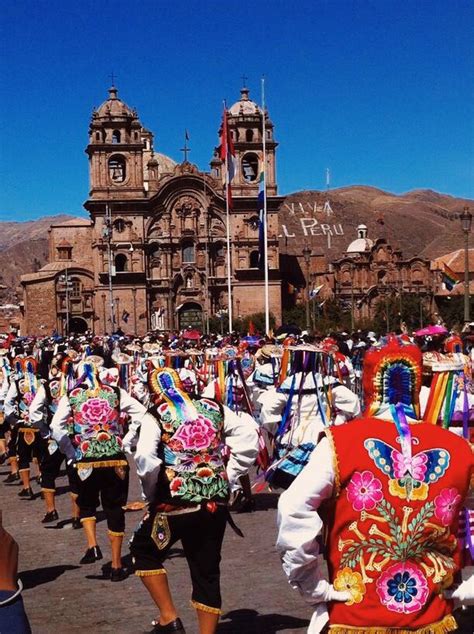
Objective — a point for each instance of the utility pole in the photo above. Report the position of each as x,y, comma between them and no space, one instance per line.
307,259
107,234
466,220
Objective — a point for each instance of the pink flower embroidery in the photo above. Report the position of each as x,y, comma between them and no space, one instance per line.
364,491
446,504
96,411
402,588
415,466
197,434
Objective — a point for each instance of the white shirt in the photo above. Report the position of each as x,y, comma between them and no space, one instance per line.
310,424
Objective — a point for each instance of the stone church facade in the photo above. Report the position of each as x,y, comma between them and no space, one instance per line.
153,253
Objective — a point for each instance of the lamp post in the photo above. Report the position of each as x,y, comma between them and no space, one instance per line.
466,221
307,259
64,279
352,297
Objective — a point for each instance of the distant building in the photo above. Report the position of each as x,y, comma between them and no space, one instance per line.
372,270
165,225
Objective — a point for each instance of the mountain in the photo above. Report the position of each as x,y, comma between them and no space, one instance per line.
420,222
23,249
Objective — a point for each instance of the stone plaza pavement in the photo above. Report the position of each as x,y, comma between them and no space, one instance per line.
63,597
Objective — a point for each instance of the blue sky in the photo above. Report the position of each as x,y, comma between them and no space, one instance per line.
379,91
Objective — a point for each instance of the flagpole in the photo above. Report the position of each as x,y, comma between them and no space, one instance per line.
227,211
265,223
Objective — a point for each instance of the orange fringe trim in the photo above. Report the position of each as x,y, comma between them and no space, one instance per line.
99,464
205,608
88,519
448,624
50,490
150,573
115,533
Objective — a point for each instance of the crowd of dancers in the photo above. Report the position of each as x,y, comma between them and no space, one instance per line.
357,432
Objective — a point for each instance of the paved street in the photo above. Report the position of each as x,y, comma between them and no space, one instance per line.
62,596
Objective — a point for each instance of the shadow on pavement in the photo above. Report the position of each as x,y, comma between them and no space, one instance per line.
251,622
38,576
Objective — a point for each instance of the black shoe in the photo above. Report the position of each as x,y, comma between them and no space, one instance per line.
12,477
118,574
51,516
92,554
174,626
76,523
27,493
3,458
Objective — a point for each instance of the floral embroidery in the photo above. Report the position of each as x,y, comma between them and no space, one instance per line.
402,588
96,411
197,434
349,581
418,540
97,427
446,504
193,453
364,491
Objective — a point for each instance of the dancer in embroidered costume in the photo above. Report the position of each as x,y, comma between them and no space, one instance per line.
187,485
96,450
393,493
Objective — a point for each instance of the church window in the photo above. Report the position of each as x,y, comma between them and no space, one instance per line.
97,136
219,250
119,225
254,221
121,263
115,137
75,287
249,136
269,135
188,252
117,170
250,167
254,258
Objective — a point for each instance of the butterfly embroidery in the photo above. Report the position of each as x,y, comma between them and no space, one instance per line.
409,476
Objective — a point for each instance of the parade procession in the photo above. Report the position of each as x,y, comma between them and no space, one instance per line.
237,317
362,439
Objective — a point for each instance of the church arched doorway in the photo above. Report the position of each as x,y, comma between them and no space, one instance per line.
190,315
77,325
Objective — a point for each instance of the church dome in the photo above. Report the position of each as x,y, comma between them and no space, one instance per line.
166,164
362,243
244,106
114,108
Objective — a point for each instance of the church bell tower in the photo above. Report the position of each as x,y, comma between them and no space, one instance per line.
246,127
117,142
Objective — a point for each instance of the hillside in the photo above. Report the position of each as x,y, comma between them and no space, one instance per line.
420,222
23,249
